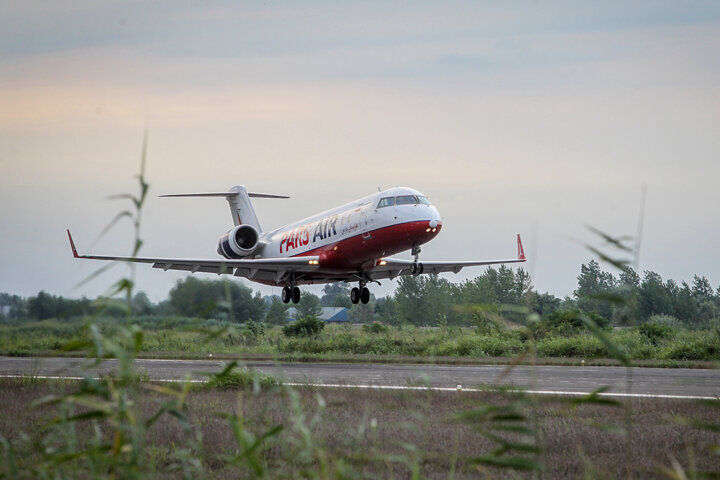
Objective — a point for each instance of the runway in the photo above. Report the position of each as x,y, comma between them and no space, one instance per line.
642,382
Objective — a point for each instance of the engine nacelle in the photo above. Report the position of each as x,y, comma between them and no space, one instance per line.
241,241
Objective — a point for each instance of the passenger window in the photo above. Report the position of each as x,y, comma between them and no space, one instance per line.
406,200
424,200
386,202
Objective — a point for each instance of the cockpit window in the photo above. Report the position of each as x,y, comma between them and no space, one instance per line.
386,202
406,200
423,200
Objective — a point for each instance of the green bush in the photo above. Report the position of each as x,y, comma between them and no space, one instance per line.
478,346
656,328
239,378
568,322
693,347
375,327
254,329
585,346
305,327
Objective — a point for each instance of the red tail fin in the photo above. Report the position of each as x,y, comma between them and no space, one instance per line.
521,252
72,245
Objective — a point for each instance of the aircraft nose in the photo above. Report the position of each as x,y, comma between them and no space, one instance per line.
435,219
433,225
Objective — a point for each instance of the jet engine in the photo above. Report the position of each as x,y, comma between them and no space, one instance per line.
241,241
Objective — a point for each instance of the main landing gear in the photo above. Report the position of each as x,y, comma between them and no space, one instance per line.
361,294
290,293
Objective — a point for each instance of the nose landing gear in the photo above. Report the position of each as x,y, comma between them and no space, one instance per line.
417,267
290,293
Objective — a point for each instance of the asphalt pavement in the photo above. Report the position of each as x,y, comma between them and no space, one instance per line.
681,382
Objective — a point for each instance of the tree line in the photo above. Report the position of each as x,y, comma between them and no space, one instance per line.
622,300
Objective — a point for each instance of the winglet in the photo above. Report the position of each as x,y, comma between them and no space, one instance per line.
521,252
72,245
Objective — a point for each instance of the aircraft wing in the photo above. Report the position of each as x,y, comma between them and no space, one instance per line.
392,267
275,268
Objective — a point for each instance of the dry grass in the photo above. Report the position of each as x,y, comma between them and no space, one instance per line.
346,430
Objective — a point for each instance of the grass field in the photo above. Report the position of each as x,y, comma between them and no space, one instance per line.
372,434
181,337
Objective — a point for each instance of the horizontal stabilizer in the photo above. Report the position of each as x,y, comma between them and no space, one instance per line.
238,197
266,195
224,194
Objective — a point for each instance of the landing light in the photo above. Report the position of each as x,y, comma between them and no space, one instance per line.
427,229
434,229
313,262
383,262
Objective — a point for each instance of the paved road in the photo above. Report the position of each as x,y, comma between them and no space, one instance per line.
655,381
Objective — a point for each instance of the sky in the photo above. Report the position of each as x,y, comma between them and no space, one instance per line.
537,117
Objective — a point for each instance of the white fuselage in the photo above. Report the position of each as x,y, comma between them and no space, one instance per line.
360,217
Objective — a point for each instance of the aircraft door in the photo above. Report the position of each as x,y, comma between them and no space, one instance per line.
365,224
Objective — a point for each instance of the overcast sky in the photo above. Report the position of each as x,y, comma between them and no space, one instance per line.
513,117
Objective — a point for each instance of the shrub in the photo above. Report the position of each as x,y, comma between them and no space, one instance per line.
239,378
449,348
375,327
478,346
569,322
578,346
254,329
658,327
696,346
303,345
305,327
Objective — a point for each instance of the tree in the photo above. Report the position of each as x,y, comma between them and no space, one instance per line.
194,297
629,278
507,287
336,294
686,305
501,286
253,309
363,313
593,283
12,306
654,296
703,293
628,312
309,305
701,288
385,310
42,306
544,303
423,300
141,304
276,311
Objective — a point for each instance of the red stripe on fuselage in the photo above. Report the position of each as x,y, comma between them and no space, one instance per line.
360,251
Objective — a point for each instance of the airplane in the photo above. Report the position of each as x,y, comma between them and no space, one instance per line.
351,243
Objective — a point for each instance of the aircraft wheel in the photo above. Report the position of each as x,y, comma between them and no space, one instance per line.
355,295
286,295
364,295
295,294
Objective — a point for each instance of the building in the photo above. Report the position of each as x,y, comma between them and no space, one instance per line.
328,314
